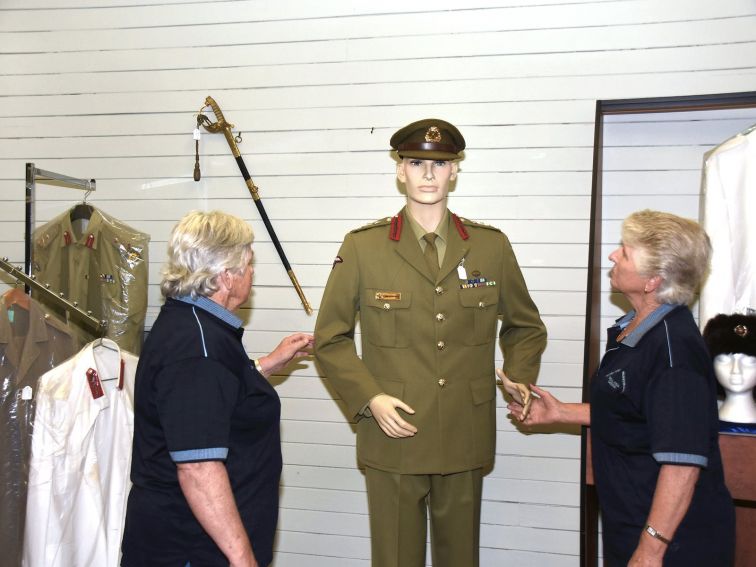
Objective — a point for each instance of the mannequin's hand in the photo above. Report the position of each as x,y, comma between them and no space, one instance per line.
520,393
383,407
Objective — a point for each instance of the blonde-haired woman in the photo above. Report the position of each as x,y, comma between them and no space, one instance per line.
653,412
207,451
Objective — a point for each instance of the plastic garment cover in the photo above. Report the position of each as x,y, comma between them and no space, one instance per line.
100,263
31,343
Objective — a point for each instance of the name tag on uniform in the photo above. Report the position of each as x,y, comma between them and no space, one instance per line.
461,272
388,295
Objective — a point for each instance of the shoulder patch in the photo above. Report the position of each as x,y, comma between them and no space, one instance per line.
375,224
468,222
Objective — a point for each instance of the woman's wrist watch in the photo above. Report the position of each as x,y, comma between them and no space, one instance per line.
258,366
650,530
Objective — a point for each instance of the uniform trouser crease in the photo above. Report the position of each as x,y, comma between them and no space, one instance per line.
398,506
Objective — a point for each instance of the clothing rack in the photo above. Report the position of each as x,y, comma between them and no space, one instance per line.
34,176
57,298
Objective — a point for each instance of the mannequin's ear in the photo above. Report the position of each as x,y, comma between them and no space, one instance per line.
454,170
400,173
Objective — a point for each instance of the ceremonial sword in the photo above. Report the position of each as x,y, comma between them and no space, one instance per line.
221,125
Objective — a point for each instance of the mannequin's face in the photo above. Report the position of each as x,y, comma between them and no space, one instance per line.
736,372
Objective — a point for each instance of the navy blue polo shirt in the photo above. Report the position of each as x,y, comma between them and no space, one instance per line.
198,397
653,402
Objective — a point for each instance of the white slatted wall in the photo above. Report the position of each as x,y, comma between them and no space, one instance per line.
108,90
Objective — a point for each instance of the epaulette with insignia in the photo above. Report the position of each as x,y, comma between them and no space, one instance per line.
380,222
477,224
44,239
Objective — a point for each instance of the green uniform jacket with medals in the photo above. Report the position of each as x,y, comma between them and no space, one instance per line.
427,342
103,267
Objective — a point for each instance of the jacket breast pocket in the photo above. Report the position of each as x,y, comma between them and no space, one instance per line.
385,317
480,312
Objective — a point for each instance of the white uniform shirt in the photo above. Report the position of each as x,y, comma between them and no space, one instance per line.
80,460
728,206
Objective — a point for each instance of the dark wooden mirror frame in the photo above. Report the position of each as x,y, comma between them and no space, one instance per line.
739,478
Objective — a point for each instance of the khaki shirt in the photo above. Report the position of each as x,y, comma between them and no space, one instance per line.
429,342
103,267
442,234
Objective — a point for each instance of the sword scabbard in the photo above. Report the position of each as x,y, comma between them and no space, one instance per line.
221,125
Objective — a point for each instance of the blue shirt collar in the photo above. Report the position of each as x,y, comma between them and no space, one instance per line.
646,325
213,308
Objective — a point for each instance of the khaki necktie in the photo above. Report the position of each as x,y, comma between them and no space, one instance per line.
431,253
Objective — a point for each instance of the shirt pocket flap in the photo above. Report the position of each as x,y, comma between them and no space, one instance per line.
480,297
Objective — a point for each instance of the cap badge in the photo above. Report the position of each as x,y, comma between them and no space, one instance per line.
741,331
433,134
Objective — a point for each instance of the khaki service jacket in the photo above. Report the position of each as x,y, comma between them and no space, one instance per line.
104,268
429,342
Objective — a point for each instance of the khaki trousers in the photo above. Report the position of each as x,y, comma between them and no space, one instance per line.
398,505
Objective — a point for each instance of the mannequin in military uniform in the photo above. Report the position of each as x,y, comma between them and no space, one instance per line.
430,288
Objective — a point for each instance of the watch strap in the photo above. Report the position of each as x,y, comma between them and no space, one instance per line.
258,366
650,530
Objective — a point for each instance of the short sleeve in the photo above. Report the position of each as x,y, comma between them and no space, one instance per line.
195,401
677,405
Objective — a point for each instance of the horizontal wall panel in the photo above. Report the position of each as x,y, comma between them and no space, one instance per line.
548,88
343,501
514,159
277,65
547,541
126,121
456,39
449,16
289,559
534,468
287,141
324,544
210,189
538,445
539,492
324,523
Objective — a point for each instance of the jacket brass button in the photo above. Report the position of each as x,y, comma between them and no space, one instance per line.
439,290
440,345
387,306
440,317
441,382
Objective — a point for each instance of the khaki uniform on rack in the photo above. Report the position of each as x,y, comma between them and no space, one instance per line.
102,266
31,343
429,340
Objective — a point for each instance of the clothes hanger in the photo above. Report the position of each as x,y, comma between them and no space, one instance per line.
110,345
82,211
16,296
102,342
